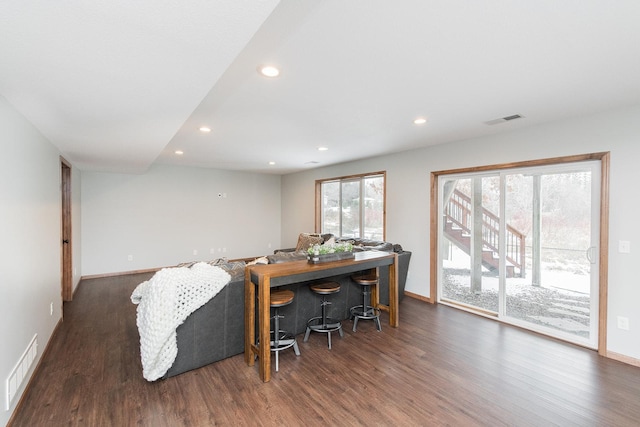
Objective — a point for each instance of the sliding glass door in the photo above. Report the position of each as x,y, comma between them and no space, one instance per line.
521,245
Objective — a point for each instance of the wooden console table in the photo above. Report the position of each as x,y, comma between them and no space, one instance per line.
265,277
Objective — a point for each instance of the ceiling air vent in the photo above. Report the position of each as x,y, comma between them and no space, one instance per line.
503,119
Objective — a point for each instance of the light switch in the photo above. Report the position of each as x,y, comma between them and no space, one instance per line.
623,323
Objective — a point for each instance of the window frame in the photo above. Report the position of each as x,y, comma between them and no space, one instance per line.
360,177
603,157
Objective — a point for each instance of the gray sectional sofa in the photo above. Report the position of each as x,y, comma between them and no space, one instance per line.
216,330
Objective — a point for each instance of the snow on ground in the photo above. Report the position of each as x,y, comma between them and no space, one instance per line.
561,302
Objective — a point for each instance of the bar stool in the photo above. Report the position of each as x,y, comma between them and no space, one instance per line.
365,311
323,323
281,340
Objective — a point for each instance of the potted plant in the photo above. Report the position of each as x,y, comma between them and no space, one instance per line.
330,252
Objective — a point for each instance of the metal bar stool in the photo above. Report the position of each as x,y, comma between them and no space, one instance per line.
366,311
323,323
281,340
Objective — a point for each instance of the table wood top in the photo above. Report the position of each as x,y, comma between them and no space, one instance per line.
290,272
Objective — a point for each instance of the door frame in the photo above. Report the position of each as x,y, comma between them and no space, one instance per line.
604,158
66,253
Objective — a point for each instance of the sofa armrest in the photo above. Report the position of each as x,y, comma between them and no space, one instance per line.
213,332
284,250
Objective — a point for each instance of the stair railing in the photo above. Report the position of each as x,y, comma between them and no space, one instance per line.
458,211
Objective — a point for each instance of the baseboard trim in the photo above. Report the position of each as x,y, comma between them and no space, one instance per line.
122,273
25,392
418,297
624,359
609,354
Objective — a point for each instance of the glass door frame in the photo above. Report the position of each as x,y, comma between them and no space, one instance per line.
603,238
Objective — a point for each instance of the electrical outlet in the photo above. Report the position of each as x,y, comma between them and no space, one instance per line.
623,323
129,257
624,246
195,252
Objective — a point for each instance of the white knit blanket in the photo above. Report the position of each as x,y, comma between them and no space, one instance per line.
164,302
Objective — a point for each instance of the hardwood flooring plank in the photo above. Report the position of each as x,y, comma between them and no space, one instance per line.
442,367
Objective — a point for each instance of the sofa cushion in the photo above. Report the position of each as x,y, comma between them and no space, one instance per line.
328,238
260,260
331,240
306,240
188,264
214,262
235,269
381,246
280,257
368,244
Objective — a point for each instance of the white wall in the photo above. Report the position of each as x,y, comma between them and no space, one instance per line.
408,197
30,210
161,217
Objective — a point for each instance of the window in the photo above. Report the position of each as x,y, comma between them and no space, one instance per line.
525,243
352,206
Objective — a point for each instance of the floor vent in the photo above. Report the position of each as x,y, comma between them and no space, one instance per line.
19,373
503,119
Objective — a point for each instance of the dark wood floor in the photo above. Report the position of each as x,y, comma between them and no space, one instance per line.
441,367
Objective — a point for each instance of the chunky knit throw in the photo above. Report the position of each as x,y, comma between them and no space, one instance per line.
164,302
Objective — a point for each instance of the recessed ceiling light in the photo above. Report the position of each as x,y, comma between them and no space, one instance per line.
179,152
420,121
272,163
268,71
323,148
205,129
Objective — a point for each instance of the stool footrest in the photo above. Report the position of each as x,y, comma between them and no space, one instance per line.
328,325
283,344
284,340
365,314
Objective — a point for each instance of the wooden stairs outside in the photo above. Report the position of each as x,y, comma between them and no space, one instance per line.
457,229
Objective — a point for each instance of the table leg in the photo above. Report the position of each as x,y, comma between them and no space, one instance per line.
375,290
264,326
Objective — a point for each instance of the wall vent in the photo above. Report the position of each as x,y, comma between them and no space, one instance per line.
504,119
515,116
20,371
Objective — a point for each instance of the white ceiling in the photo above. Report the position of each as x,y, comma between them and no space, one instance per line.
119,85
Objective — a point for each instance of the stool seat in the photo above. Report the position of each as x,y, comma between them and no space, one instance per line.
324,323
325,288
366,311
281,297
365,279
